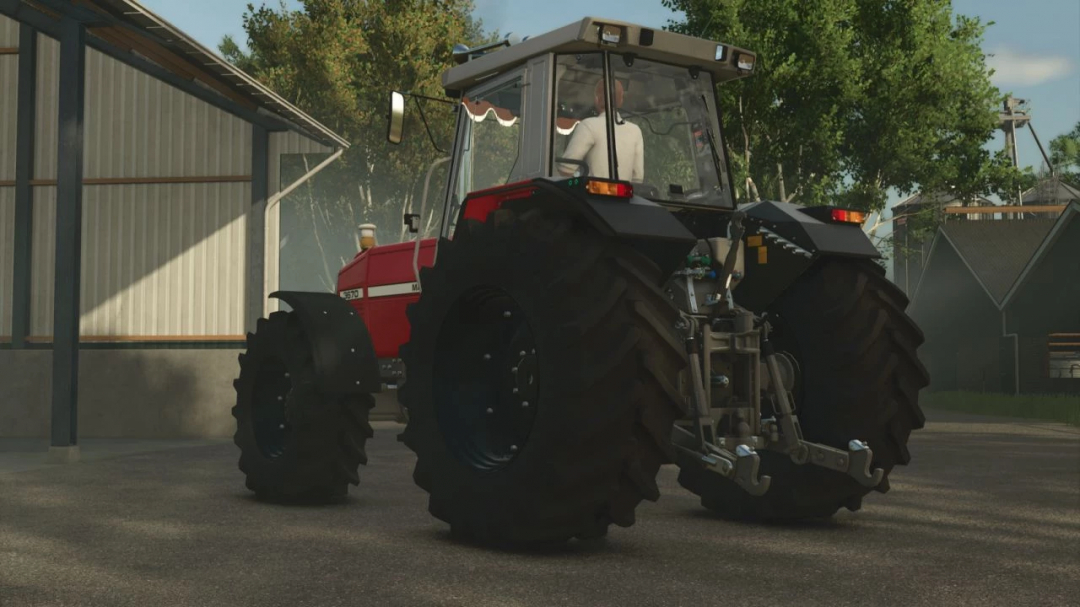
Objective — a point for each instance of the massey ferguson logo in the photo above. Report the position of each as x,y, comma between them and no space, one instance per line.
351,294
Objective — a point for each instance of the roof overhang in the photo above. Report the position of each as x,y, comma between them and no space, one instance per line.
584,36
126,30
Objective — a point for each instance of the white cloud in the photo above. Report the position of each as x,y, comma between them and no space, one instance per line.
1017,68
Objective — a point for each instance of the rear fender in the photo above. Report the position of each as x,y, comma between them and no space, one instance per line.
783,242
341,346
645,226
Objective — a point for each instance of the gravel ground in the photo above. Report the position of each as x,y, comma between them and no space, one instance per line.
987,514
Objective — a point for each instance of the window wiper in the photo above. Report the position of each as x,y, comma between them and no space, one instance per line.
712,141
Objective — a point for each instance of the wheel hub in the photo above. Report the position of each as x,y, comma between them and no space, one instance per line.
485,379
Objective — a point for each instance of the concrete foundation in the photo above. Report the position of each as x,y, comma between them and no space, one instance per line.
166,394
63,455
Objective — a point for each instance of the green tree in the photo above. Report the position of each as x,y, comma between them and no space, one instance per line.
1065,155
852,98
338,60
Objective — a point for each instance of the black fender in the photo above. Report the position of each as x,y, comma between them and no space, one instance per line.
645,226
782,242
344,356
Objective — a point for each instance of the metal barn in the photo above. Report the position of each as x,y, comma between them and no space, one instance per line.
139,182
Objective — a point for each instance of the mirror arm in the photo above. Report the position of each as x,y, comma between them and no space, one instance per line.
431,137
446,101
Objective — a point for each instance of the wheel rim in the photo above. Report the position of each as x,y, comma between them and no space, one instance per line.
272,388
485,379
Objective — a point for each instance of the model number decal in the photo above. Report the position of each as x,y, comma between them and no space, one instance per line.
401,288
352,294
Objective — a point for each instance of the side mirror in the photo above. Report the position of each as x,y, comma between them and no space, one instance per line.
413,221
396,117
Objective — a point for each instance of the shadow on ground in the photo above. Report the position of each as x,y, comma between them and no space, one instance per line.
985,515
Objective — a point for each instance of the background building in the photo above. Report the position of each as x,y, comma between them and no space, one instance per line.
135,154
999,303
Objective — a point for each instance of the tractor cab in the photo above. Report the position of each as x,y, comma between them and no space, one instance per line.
538,109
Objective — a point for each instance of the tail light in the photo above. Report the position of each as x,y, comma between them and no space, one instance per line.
481,204
835,215
602,187
618,189
846,216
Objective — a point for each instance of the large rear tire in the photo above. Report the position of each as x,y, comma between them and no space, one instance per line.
845,325
296,444
540,373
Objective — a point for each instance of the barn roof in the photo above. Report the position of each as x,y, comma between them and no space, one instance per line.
1070,214
132,33
994,251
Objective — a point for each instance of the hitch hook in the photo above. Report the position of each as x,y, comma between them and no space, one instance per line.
859,456
747,469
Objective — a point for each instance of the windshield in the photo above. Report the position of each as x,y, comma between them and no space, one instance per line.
664,130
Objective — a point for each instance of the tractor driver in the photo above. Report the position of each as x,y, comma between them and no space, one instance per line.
589,142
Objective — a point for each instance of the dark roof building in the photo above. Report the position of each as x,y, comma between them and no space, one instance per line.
999,302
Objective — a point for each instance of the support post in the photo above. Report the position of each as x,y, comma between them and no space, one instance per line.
24,192
65,375
255,295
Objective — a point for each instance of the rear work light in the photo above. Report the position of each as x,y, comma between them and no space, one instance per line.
846,216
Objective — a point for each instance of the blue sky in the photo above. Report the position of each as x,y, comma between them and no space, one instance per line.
1036,44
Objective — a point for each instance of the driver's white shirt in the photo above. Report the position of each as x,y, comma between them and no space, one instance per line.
588,142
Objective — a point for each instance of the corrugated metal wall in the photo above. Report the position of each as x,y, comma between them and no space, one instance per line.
165,260
7,244
9,81
9,32
48,85
158,259
9,115
138,126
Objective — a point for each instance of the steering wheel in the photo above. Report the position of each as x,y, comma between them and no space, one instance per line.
581,172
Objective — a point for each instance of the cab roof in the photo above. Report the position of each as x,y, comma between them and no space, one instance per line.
584,36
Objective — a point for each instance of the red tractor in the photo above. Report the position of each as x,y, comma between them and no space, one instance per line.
595,306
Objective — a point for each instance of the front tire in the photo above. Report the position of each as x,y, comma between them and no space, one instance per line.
295,443
845,325
585,449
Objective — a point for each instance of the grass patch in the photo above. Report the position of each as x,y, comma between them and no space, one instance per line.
1050,407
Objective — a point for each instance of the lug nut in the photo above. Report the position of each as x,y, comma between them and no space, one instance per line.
286,374
522,353
513,447
353,350
525,404
515,390
487,357
281,398
513,369
490,410
506,314
282,426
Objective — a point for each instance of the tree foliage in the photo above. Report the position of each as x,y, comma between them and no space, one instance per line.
1065,155
338,60
851,98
